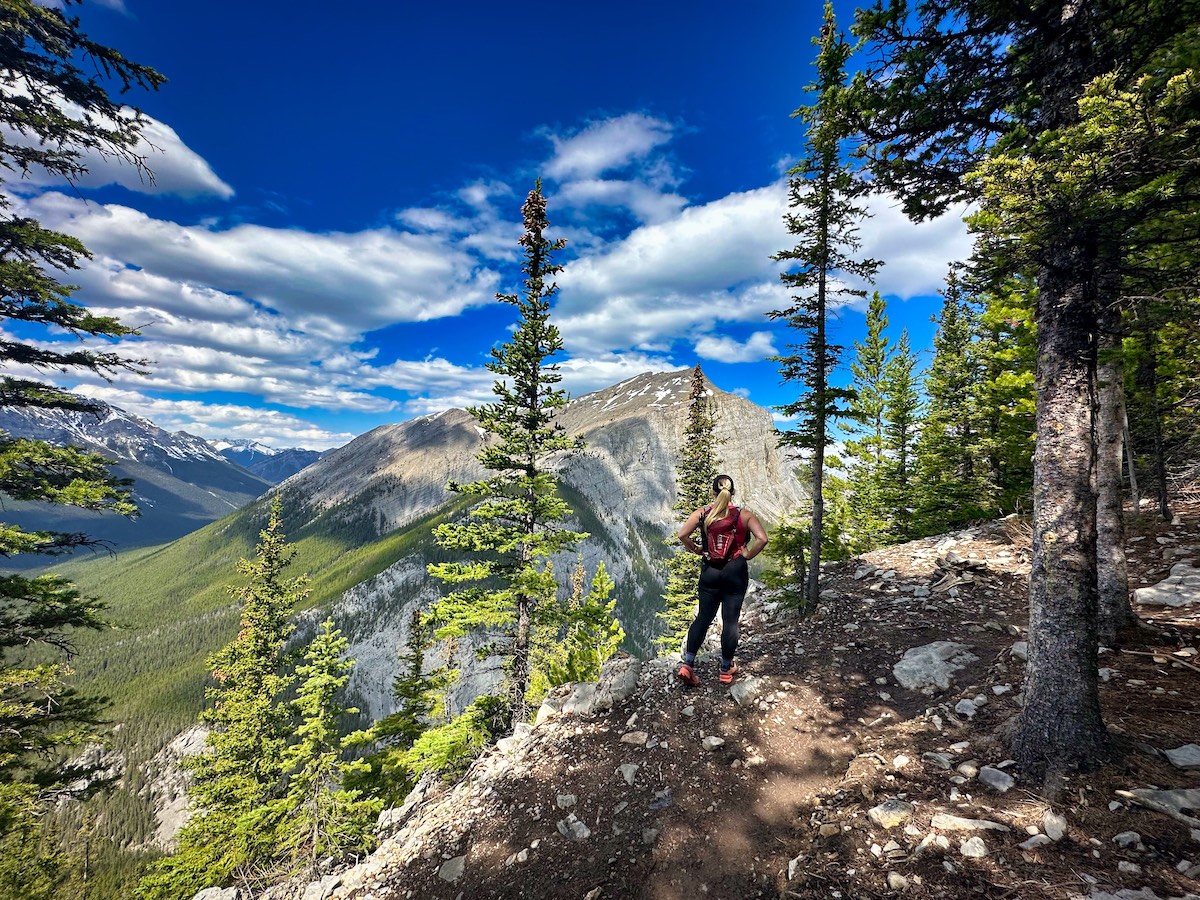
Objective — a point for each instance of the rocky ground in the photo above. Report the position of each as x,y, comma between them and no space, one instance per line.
855,758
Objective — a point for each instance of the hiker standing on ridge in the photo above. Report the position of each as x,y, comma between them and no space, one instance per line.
729,538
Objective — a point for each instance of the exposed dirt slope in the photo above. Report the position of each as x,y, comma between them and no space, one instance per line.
823,734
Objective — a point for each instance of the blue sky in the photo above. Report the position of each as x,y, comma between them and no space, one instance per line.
337,200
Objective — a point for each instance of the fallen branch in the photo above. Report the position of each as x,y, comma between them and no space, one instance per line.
1171,658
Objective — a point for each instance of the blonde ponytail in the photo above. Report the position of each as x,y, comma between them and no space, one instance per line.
723,489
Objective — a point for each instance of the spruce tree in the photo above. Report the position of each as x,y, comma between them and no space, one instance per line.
824,192
47,60
868,462
901,420
948,483
320,816
577,637
697,468
515,525
233,834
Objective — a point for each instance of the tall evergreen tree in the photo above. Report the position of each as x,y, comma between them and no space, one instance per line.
321,817
868,462
901,417
948,447
578,636
235,828
54,109
516,525
953,82
824,192
697,468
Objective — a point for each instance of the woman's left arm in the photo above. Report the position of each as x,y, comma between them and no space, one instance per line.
755,547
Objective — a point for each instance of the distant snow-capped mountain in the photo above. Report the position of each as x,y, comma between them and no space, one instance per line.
180,481
267,462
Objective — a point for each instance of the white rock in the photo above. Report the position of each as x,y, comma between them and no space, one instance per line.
896,881
1055,825
973,848
1185,757
572,829
628,771
746,690
712,742
966,708
890,813
1129,868
216,893
453,869
638,738
931,667
996,779
1020,650
1038,840
947,822
1128,839
565,801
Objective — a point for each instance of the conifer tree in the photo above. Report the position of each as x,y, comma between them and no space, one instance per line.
320,816
954,84
516,524
901,418
577,637
824,193
54,110
695,472
868,462
948,446
235,828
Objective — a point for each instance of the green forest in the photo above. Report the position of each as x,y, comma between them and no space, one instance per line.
1061,387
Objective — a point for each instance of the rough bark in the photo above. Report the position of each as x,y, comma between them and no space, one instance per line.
1112,577
1060,726
1147,380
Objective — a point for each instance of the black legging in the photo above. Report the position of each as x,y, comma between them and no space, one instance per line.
724,588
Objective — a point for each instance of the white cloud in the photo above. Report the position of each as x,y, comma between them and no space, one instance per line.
602,146
649,204
680,278
727,350
337,284
214,421
174,168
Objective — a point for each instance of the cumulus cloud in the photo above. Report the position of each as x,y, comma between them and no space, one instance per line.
681,278
214,421
339,284
173,167
605,145
727,350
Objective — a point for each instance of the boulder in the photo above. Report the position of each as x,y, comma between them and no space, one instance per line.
929,669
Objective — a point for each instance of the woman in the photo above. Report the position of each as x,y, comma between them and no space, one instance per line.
730,537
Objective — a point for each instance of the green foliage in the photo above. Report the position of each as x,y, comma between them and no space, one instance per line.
513,528
695,472
575,638
54,110
234,830
419,696
867,453
321,818
901,418
449,749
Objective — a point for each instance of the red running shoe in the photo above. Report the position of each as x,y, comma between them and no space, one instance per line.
726,676
688,677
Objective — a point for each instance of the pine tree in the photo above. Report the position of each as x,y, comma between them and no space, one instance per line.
47,60
901,418
866,479
948,482
322,817
694,474
515,526
235,828
824,190
577,637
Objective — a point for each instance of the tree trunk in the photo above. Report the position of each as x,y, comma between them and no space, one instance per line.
519,675
1112,577
1147,379
1060,726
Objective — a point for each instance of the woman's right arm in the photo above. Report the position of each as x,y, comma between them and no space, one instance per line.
688,529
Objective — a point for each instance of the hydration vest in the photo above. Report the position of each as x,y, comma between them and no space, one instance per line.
725,538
